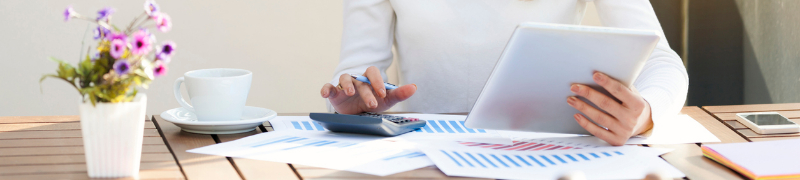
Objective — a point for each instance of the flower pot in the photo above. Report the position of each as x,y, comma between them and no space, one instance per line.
112,137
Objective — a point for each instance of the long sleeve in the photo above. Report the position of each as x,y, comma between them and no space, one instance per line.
367,38
663,82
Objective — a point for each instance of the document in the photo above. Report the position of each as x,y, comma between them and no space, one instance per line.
351,152
438,127
625,162
680,129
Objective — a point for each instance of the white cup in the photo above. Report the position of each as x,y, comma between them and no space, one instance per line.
216,94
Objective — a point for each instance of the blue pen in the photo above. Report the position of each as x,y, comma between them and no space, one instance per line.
364,79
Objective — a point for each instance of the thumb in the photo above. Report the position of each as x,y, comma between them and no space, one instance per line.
401,94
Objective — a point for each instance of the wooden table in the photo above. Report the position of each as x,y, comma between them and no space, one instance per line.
51,148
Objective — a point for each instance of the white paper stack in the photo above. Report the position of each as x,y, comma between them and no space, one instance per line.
461,151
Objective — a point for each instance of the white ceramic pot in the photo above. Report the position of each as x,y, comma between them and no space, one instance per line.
112,137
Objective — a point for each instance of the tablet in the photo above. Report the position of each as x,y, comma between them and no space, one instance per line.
529,86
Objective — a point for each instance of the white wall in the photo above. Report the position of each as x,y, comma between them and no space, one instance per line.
292,47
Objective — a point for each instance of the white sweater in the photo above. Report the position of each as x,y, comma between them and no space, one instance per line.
449,47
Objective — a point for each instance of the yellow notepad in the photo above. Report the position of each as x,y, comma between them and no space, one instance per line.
759,160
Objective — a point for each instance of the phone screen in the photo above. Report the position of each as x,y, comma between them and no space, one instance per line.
768,119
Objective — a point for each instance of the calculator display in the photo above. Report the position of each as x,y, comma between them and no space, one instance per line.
767,119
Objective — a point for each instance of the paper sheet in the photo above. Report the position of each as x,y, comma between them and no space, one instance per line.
625,162
679,130
351,152
439,127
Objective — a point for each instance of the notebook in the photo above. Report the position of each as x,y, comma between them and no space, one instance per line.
759,160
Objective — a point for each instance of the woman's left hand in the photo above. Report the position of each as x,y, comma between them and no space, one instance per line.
624,119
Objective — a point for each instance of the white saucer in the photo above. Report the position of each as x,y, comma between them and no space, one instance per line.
187,120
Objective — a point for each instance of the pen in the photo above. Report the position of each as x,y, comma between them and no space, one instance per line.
364,79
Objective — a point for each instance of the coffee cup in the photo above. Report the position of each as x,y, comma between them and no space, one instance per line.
216,94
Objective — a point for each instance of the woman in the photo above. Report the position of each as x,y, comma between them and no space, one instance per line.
448,48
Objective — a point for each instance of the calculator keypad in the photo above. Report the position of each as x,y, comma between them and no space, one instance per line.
394,119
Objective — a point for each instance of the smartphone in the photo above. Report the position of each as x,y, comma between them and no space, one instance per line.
767,123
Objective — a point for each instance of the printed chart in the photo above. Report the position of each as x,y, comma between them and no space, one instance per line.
358,153
626,162
533,145
432,126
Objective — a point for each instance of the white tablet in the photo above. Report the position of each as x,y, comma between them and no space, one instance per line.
529,86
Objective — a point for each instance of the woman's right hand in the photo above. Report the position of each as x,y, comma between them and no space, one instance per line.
357,97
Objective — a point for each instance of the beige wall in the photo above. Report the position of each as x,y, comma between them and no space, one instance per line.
292,48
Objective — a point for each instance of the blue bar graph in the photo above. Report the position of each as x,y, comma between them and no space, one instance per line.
465,127
457,127
319,127
571,158
405,155
547,159
462,158
582,156
475,159
559,159
488,160
537,161
512,161
307,125
445,126
296,125
432,126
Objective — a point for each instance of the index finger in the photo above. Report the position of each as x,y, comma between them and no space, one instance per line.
375,79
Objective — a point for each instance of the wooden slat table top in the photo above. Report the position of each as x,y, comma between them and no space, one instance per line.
42,134
50,147
727,114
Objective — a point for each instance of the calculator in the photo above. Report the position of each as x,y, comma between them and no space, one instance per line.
368,123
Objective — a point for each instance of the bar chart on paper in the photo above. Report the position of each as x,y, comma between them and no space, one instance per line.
601,163
532,145
304,123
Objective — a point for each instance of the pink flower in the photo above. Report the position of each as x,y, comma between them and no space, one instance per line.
163,22
160,69
142,43
117,36
117,48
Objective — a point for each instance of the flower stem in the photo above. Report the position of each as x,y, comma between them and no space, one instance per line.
130,27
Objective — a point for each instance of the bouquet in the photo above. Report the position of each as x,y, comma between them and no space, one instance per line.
123,59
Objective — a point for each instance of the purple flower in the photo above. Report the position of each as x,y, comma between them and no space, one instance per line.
122,67
117,48
142,43
69,13
105,13
100,32
150,7
165,51
160,69
163,22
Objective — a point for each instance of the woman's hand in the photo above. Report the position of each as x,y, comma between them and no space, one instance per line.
624,119
353,97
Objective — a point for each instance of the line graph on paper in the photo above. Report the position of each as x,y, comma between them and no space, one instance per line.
532,145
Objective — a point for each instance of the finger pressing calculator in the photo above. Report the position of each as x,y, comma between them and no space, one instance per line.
368,123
